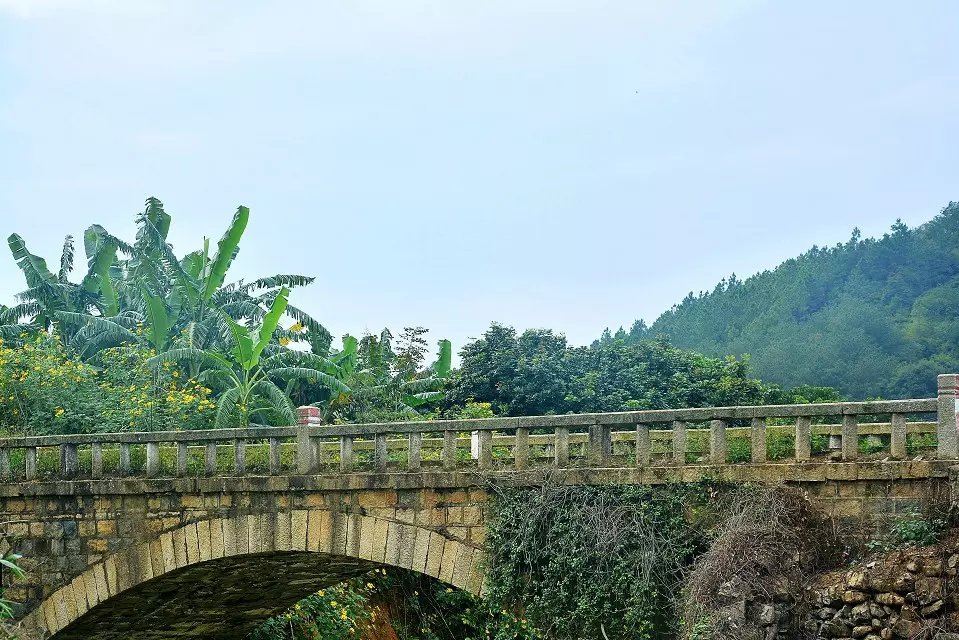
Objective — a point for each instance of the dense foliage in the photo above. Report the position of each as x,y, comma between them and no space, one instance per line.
537,372
339,612
871,317
44,389
186,344
590,562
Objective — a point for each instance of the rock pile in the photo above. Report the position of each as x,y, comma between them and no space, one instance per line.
910,593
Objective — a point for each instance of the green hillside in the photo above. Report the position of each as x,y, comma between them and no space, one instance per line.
871,317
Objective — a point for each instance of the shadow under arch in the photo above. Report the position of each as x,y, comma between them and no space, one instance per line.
217,579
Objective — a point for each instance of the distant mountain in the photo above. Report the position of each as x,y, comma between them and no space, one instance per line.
871,317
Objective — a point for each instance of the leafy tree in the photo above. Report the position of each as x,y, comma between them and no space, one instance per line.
249,382
870,317
385,387
177,301
537,372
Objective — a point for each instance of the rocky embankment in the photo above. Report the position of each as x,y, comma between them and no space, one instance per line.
909,593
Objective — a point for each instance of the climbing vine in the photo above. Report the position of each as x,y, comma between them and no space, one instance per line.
590,561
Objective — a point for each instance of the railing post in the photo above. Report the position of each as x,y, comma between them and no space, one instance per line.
803,438
484,455
757,433
276,462
306,456
380,453
181,459
68,460
718,448
897,439
850,437
600,445
125,466
561,447
346,454
679,442
209,458
644,448
30,463
5,465
947,444
239,456
449,450
153,459
414,459
521,449
96,460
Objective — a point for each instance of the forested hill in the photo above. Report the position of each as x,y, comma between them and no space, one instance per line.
871,317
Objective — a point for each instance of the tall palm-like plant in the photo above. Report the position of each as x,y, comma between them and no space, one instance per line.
379,387
48,294
248,380
156,298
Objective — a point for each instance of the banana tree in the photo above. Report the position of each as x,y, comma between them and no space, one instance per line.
376,390
249,378
48,294
156,298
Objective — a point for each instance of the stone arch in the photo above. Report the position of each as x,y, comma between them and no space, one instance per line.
260,541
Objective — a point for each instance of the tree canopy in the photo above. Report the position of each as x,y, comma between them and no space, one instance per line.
872,316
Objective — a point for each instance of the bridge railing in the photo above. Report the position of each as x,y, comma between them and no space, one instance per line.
714,435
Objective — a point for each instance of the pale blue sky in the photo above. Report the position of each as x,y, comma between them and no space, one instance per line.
553,163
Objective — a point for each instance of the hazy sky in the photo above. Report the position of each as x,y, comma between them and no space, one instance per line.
549,163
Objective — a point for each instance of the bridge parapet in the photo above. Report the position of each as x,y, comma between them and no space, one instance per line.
110,525
648,438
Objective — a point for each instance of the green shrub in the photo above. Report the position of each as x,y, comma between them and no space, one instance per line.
911,529
45,390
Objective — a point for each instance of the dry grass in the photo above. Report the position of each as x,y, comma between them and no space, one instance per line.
768,545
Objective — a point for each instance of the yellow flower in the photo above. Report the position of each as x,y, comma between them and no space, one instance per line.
284,342
58,412
296,328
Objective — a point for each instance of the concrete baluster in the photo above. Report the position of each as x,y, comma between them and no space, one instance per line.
600,445
947,442
30,463
414,459
718,447
521,449
153,459
850,437
757,433
276,462
803,438
897,439
96,460
561,447
380,453
209,459
679,442
346,454
644,448
125,466
239,456
449,450
181,459
484,456
68,460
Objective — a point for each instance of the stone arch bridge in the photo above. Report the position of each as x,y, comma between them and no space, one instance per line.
205,534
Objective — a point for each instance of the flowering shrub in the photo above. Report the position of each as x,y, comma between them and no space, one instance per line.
339,612
45,390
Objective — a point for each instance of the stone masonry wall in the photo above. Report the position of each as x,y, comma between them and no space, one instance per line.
94,546
82,549
910,593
